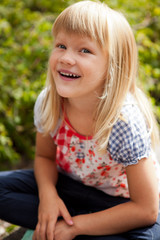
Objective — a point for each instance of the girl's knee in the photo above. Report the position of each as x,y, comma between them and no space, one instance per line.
149,233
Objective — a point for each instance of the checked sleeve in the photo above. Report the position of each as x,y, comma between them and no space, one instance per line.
130,140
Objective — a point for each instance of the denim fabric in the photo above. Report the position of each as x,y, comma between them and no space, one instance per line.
19,198
19,203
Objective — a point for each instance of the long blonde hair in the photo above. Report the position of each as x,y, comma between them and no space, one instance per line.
114,35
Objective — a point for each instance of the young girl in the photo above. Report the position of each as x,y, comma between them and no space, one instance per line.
95,167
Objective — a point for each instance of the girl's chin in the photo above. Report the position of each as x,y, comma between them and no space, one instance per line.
65,94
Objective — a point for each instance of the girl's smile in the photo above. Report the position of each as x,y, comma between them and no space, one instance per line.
68,75
78,66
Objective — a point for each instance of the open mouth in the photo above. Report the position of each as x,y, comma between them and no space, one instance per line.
69,75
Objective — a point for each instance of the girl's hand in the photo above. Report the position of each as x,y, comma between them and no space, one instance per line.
63,231
50,208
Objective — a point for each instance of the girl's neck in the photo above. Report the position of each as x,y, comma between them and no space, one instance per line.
82,106
81,115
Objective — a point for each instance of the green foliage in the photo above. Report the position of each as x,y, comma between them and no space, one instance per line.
11,228
25,44
144,17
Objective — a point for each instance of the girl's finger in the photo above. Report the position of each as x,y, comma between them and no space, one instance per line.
66,215
50,230
34,236
36,232
42,232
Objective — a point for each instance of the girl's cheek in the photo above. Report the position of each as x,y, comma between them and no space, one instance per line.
51,61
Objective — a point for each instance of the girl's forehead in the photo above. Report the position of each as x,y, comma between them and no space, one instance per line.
75,37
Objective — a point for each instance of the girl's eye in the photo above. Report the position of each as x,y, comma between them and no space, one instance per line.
84,50
61,46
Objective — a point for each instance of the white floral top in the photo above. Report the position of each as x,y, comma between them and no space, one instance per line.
77,155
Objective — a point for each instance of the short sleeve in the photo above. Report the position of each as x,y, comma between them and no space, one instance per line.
130,140
37,114
37,111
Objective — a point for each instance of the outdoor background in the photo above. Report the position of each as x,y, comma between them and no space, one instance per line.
25,44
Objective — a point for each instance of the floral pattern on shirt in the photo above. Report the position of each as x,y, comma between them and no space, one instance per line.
79,158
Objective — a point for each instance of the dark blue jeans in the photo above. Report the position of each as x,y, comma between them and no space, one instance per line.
19,203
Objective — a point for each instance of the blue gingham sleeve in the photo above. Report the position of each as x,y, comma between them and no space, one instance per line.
130,140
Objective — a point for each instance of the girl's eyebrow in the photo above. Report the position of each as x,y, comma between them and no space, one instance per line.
85,42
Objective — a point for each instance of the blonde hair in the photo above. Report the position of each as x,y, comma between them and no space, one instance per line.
114,35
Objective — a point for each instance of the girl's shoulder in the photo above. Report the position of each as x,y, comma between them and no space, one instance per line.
40,99
130,137
131,112
37,113
37,110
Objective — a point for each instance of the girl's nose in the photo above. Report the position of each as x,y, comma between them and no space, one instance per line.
67,58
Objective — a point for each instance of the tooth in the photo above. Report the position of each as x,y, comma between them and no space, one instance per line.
69,74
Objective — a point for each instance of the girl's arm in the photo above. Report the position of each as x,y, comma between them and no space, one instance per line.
50,206
141,211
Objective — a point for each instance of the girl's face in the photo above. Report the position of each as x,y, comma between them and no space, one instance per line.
78,66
